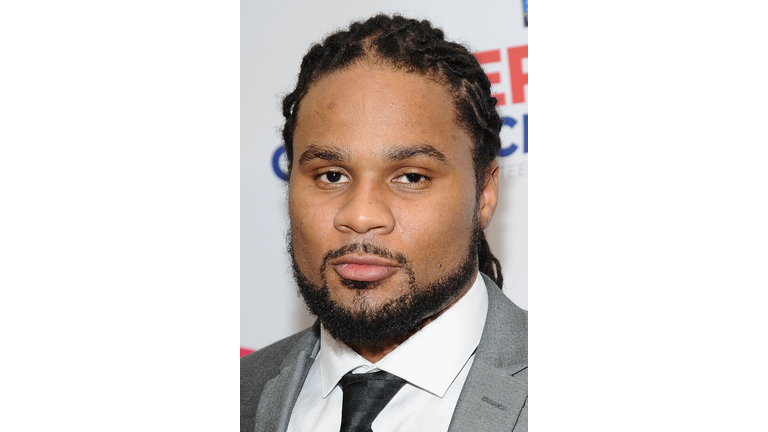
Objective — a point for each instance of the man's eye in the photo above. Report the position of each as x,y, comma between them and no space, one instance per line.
333,176
411,178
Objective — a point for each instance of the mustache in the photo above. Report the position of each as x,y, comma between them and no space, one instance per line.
365,248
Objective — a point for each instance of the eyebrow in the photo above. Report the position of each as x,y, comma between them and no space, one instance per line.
399,153
333,154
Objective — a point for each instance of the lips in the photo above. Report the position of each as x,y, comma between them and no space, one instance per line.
364,268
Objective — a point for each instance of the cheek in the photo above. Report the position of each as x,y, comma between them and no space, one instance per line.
437,236
304,254
309,226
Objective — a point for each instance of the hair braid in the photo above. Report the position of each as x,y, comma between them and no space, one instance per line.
489,264
411,46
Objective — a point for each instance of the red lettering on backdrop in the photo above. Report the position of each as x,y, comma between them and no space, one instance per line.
516,75
492,56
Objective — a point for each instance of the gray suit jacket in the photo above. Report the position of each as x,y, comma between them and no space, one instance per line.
494,397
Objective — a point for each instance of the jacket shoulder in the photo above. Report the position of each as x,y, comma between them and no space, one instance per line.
259,367
505,337
271,355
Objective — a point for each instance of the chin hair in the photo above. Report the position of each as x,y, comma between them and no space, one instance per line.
396,319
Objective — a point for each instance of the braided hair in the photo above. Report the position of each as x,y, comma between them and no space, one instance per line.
412,46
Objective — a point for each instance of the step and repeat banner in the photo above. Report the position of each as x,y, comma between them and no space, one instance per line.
274,38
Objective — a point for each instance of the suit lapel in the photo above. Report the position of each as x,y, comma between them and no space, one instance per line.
280,393
495,394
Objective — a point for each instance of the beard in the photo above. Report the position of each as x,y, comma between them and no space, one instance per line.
396,319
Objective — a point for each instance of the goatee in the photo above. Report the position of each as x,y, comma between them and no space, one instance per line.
396,319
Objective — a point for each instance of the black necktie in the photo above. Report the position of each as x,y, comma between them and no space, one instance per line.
365,395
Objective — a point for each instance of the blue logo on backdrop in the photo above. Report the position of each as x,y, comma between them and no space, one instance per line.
279,155
525,12
282,175
510,149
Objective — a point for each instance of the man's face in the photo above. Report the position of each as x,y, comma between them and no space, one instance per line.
382,197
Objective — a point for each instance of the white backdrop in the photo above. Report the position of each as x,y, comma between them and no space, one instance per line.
274,38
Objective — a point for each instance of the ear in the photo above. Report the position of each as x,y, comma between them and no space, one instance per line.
489,195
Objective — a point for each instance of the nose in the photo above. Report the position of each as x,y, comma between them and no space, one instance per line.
365,210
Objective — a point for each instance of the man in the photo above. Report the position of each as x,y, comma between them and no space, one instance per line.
391,136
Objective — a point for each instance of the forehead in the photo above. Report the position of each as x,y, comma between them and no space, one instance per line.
372,107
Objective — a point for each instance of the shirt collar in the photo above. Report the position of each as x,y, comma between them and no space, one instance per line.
430,359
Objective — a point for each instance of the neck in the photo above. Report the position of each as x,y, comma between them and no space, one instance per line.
374,353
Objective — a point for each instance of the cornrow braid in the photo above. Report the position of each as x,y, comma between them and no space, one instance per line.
411,46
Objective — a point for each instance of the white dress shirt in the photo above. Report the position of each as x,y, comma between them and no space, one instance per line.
435,361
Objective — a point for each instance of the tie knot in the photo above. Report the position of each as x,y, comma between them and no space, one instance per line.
365,395
373,380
